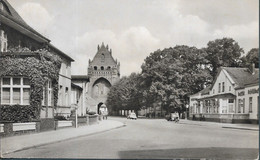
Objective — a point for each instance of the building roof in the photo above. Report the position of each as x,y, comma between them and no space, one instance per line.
243,76
11,18
205,90
103,57
80,77
60,52
76,86
16,20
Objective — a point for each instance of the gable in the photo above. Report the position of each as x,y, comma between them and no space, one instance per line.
223,79
103,57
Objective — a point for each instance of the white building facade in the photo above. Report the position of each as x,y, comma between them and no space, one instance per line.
232,98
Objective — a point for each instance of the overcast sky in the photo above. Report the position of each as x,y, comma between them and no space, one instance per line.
135,28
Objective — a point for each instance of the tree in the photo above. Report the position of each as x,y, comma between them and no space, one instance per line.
125,94
169,76
251,57
223,52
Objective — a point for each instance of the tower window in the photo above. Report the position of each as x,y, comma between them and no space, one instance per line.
95,67
102,68
108,67
102,57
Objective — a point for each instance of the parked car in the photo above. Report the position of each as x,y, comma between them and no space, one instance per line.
172,117
132,116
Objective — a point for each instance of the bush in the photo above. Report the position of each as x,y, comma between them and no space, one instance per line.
60,118
91,113
18,113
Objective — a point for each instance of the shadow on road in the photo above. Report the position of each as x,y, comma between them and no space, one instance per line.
208,153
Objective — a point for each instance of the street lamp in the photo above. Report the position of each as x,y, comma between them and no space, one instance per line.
187,106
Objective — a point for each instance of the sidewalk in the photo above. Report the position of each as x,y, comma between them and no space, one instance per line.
16,143
253,127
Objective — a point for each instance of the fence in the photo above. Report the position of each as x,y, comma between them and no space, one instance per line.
223,118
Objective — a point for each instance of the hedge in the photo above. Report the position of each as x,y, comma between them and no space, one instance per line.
18,113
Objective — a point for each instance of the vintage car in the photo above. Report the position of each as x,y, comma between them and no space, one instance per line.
132,116
172,117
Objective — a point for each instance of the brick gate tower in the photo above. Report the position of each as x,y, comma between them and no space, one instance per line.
103,72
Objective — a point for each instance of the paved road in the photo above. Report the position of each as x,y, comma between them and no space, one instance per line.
144,138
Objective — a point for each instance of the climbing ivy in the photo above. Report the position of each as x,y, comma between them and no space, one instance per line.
39,68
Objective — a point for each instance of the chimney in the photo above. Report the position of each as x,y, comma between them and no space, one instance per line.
252,68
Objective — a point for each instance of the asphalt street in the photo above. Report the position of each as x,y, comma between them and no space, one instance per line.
148,138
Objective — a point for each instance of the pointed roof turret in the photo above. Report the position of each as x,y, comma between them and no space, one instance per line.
103,57
102,44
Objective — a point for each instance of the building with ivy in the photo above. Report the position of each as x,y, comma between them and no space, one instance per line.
35,83
103,71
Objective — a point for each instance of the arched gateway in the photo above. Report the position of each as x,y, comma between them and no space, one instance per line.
103,72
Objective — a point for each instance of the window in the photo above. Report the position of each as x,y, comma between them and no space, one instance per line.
95,67
5,47
219,87
67,96
50,94
102,68
3,41
224,109
102,57
250,104
43,96
60,95
108,68
230,100
241,108
229,88
213,91
15,90
67,70
223,86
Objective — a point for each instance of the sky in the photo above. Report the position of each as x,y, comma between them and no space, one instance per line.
135,28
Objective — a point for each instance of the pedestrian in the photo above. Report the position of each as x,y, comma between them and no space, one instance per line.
176,119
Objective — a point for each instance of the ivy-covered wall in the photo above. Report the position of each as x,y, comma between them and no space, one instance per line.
18,113
38,69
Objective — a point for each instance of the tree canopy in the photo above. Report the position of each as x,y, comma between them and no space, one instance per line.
170,75
223,52
125,94
251,57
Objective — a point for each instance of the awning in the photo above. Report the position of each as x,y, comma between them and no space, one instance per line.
225,95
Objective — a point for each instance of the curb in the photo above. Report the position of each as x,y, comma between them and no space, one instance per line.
192,124
44,144
241,128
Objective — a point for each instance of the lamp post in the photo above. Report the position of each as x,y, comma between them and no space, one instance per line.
76,114
187,106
